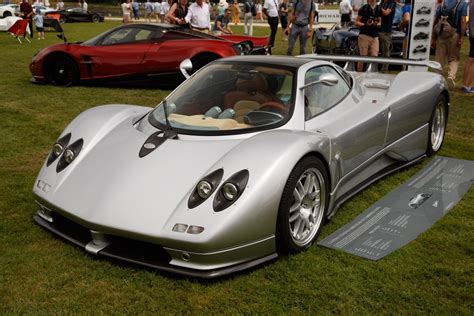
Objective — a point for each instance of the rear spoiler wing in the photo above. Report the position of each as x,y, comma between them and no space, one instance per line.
350,62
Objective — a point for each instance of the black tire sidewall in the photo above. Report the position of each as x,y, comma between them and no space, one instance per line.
284,242
49,65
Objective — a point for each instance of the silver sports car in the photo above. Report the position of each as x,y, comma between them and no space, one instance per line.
244,161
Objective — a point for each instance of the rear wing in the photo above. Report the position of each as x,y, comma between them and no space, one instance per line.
350,62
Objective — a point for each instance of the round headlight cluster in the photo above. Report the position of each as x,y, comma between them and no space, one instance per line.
57,149
230,191
69,156
204,189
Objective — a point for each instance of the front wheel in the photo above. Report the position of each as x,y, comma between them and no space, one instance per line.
437,126
7,14
352,47
202,61
61,70
303,206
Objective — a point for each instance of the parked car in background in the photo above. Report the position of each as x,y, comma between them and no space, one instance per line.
9,10
138,52
339,40
43,9
78,15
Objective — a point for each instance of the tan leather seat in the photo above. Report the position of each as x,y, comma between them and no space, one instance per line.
253,89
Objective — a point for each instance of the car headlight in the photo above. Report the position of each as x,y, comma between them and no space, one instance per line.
231,190
58,148
69,155
204,188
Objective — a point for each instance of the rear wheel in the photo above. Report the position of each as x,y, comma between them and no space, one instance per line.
303,206
437,126
61,70
95,18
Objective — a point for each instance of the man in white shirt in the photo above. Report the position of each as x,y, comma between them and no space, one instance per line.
198,16
85,6
345,10
270,9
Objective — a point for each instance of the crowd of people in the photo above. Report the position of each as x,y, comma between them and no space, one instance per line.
377,20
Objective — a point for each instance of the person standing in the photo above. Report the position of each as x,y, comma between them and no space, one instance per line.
198,16
259,8
248,17
178,12
448,44
126,9
300,24
157,10
39,24
405,25
148,11
283,9
135,8
468,78
222,24
345,10
165,7
221,7
85,6
387,8
369,21
235,13
270,9
26,11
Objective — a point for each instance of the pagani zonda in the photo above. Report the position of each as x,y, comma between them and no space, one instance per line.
137,52
243,161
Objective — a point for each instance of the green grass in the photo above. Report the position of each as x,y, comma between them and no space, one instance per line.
40,274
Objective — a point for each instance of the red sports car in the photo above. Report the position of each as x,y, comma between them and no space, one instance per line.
138,52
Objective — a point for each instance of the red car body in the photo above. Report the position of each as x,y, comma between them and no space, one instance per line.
140,52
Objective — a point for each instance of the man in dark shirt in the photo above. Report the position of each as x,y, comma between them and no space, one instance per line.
387,8
27,13
369,22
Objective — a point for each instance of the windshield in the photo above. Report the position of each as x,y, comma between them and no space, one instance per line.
229,98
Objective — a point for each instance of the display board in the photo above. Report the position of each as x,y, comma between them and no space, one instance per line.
407,211
421,30
329,16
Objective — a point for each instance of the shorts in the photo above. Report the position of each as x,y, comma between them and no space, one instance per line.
39,29
471,47
368,45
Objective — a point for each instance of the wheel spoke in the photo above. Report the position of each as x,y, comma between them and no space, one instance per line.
297,195
307,183
294,207
300,188
294,217
297,227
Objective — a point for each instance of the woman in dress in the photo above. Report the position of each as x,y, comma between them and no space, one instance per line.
235,13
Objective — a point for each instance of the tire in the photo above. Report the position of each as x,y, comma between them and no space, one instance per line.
202,61
315,44
7,14
61,70
303,202
437,126
95,18
352,47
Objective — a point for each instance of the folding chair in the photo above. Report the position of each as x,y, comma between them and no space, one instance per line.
19,29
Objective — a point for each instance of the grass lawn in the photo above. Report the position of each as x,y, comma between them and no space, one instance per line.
40,274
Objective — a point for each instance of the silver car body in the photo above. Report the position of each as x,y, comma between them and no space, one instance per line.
107,192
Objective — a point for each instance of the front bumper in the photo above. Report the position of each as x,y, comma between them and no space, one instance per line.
191,264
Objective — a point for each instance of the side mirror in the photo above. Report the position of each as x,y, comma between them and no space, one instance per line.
186,66
325,79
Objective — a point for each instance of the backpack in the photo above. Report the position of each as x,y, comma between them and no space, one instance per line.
444,27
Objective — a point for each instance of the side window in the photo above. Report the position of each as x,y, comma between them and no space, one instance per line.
127,35
319,97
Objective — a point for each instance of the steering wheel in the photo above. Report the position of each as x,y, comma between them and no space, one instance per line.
274,105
